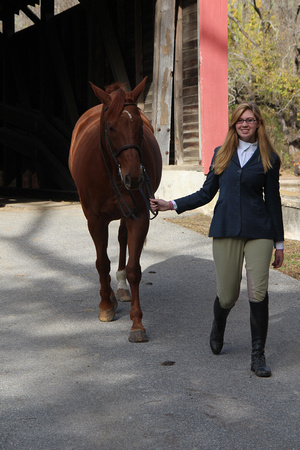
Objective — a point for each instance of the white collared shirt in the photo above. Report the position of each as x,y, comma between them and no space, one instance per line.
245,150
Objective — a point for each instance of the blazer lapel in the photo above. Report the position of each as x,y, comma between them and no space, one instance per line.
235,158
255,158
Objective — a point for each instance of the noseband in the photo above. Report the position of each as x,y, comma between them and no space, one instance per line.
125,147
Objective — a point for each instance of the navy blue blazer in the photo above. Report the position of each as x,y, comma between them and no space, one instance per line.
249,203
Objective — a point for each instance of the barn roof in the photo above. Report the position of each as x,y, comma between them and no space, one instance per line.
8,7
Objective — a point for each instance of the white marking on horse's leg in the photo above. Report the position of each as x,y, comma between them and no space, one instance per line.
123,293
121,278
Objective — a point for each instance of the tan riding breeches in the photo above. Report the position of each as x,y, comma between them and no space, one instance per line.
229,255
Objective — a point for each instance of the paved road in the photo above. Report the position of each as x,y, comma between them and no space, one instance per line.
71,382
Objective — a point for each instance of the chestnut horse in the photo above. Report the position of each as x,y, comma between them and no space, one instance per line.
116,164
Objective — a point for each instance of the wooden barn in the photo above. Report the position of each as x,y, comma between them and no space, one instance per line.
181,45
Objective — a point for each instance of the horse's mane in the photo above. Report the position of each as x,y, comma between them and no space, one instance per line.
119,97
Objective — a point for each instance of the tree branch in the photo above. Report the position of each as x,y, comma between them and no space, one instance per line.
231,17
297,13
257,10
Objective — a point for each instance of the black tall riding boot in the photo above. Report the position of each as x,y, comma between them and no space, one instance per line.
218,327
259,318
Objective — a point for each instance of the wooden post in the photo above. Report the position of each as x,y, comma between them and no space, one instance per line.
178,107
138,33
47,9
8,23
213,76
138,48
163,74
112,47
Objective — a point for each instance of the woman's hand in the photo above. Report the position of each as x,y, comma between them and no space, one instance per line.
160,204
278,259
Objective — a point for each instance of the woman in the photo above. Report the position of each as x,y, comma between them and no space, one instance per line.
247,224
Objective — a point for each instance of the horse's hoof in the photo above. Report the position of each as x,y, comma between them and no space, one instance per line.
108,315
123,295
137,336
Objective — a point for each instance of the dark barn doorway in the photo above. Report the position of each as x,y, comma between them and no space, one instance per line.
44,78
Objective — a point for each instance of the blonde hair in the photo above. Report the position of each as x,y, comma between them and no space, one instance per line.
230,144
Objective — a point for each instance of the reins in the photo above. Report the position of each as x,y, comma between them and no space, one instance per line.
150,194
125,209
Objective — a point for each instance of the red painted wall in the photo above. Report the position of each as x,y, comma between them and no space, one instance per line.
213,76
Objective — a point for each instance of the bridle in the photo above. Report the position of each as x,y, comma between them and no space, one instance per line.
117,153
126,210
124,147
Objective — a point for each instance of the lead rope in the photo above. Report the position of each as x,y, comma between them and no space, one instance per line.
150,194
118,194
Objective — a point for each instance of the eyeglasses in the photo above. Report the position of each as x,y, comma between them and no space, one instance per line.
249,121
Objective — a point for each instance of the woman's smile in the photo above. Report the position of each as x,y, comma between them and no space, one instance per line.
246,126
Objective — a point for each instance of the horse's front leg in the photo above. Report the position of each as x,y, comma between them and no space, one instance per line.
122,293
137,232
108,303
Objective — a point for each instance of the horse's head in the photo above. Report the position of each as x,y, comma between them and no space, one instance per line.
122,130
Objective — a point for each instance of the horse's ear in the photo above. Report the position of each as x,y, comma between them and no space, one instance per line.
102,95
138,90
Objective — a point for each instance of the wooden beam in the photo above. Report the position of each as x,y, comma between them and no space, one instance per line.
138,48
30,14
8,24
138,34
163,74
17,66
47,9
111,45
60,68
178,106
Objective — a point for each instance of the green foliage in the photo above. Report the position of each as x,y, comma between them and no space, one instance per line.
277,137
263,45
261,55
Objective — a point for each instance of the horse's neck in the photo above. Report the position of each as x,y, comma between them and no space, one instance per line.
146,122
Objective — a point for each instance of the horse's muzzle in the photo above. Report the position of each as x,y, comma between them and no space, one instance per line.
133,183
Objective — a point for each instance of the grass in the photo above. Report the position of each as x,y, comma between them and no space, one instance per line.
200,223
